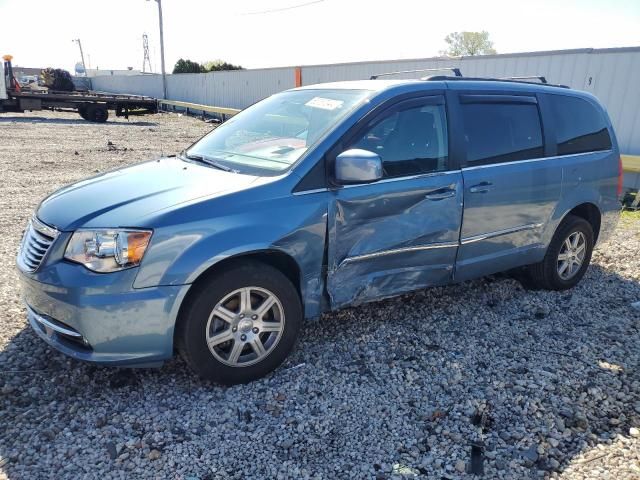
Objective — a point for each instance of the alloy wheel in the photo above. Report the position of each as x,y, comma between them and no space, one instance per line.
245,326
571,256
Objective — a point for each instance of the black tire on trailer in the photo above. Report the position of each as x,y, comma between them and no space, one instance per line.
82,111
567,258
240,323
97,113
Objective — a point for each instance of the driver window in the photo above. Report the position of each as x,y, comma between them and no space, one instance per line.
409,141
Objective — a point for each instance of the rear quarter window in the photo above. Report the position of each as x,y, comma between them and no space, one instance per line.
580,126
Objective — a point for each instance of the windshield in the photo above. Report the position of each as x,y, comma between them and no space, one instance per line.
271,135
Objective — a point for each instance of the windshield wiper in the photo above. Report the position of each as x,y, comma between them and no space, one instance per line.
209,161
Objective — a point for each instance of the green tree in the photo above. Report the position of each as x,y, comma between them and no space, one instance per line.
468,44
187,66
219,65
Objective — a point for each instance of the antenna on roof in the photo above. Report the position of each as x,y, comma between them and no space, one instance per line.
455,70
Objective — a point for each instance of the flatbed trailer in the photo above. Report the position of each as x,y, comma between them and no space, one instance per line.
92,106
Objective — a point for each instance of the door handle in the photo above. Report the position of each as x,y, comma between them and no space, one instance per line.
440,193
482,187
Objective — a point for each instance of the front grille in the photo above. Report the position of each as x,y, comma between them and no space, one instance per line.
36,242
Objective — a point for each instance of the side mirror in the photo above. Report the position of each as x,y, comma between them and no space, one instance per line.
358,166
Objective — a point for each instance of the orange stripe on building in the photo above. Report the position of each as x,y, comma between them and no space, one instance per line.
298,76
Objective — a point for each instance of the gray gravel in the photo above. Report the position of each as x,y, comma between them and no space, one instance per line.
483,376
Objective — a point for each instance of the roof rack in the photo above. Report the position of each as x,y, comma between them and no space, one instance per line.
480,79
529,77
456,72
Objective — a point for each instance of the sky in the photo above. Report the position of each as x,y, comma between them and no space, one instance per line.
270,33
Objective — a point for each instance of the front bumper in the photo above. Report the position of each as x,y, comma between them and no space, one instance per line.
95,320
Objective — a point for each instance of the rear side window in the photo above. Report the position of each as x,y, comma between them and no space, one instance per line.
502,132
580,126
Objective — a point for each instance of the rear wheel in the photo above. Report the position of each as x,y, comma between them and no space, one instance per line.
240,323
82,110
97,113
567,257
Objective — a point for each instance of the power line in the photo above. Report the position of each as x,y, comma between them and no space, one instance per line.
145,48
274,10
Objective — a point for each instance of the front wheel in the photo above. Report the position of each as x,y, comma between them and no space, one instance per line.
567,258
240,323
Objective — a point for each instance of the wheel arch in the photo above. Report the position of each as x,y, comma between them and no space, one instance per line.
546,273
589,212
275,258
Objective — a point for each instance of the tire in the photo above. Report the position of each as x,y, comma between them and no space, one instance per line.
97,113
213,314
82,111
547,274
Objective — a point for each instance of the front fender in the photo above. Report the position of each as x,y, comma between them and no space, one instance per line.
293,225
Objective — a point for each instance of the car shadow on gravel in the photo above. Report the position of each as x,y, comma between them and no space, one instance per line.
72,121
483,376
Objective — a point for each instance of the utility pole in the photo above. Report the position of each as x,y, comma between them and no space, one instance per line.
164,74
77,40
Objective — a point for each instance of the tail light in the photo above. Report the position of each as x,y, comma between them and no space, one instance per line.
620,175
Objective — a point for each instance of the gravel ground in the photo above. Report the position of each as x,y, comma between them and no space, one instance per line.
438,384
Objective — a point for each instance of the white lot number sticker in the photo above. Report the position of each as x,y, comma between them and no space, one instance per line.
324,103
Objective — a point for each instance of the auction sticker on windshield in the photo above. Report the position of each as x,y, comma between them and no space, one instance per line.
324,103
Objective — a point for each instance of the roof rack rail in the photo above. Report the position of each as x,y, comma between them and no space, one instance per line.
528,77
488,79
455,70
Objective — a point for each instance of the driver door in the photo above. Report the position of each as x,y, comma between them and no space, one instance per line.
401,232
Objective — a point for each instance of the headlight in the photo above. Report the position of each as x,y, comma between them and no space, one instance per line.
106,250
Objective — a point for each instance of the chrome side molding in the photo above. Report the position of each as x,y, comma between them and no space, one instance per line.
498,233
395,251
464,241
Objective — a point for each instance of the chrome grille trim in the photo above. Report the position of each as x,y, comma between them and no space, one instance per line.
44,230
35,245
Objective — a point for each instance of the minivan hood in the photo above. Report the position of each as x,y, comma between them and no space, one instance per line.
122,198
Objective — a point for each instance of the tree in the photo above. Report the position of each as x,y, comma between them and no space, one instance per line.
219,65
187,66
469,44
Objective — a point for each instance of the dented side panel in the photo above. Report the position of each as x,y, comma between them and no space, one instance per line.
188,241
390,237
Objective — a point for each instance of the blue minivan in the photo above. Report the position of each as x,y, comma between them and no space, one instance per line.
315,199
